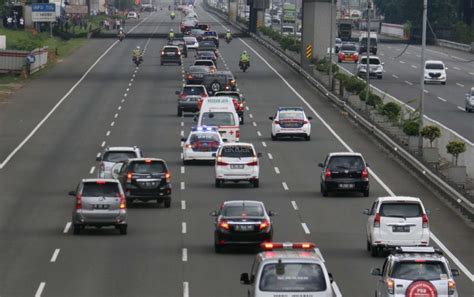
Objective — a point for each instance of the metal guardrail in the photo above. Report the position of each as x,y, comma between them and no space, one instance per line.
466,206
454,45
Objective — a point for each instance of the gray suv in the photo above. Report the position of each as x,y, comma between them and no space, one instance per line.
99,202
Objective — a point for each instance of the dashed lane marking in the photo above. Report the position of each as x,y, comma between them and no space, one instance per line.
183,228
185,289
258,133
247,108
92,170
54,257
461,108
413,66
277,171
409,83
254,124
182,169
120,107
108,133
264,144
285,186
460,85
183,204
66,228
295,206
185,255
270,156
112,124
182,186
305,228
116,116
250,115
442,99
103,144
40,289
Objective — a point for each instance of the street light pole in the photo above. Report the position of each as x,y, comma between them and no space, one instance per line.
422,78
367,65
331,45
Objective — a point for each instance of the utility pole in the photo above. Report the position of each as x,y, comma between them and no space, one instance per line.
422,76
367,65
330,46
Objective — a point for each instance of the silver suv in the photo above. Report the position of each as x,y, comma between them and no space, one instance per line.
470,100
411,270
99,202
113,157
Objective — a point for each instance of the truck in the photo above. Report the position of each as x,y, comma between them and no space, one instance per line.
344,29
289,13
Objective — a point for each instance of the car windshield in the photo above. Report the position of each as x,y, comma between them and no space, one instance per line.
291,116
400,209
348,48
118,156
204,63
217,119
434,66
199,69
338,163
148,167
242,210
97,189
237,151
193,90
373,41
210,33
371,61
414,270
204,137
287,29
170,49
294,277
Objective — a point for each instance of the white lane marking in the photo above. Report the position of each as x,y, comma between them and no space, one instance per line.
409,83
123,100
98,155
182,124
402,62
413,66
250,115
471,73
116,116
277,171
120,107
128,89
92,170
133,75
112,124
185,255
426,91
336,289
40,289
247,108
408,53
103,144
460,85
442,99
125,95
185,289
264,144
183,204
461,108
394,75
305,228
108,133
457,68
182,185
258,133
418,56
387,189
54,256
285,186
459,59
182,133
270,156
182,169
130,84
254,124
295,206
183,227
36,128
66,228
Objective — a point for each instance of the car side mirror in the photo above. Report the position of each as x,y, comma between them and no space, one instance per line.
270,118
213,213
272,213
183,139
376,272
331,278
310,118
98,159
320,165
428,212
244,279
366,211
72,193
455,272
195,119
383,63
259,155
177,92
367,165
214,155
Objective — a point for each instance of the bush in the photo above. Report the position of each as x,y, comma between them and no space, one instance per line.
455,148
363,94
392,111
411,128
431,133
286,42
463,33
355,85
342,77
374,100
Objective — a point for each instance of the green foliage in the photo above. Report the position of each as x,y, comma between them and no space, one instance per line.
463,33
430,132
286,42
342,77
411,128
374,100
455,148
355,85
392,111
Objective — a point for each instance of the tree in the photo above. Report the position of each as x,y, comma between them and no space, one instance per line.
430,132
455,148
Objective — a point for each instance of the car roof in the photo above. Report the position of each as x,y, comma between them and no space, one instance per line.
171,46
144,159
93,180
193,86
237,143
121,148
288,108
242,202
399,198
207,61
434,62
335,154
370,57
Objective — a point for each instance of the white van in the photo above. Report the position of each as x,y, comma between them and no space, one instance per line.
220,112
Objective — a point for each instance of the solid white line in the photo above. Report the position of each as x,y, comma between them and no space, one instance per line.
413,66
264,144
108,133
66,229
258,133
460,85
285,186
112,124
254,124
183,204
185,289
33,132
103,144
116,116
92,170
442,99
183,227
394,75
277,170
185,255
305,228
270,156
182,185
408,83
40,289
55,255
461,108
250,115
295,206
336,289
182,169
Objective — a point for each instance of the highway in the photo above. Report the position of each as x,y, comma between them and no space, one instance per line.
53,128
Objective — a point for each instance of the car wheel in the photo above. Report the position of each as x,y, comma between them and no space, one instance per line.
185,162
324,191
215,86
256,183
307,137
369,246
443,83
218,183
180,112
76,229
366,193
167,202
123,229
274,137
218,248
242,120
374,251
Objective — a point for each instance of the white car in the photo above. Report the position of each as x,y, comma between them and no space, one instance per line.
132,15
237,161
396,221
291,122
191,42
435,71
201,144
470,100
112,157
375,67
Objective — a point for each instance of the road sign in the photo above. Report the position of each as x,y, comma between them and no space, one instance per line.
309,51
30,59
43,12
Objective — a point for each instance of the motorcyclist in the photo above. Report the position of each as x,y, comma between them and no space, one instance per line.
120,34
244,58
228,35
171,34
172,15
137,53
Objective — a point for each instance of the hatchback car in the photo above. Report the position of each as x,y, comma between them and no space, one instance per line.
191,42
170,54
189,97
416,271
113,156
241,222
435,71
375,67
219,81
195,74
99,202
208,45
290,122
396,221
237,161
344,172
146,179
239,102
348,53
208,63
179,42
201,144
132,15
470,100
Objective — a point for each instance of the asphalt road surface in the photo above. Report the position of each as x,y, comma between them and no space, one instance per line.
50,136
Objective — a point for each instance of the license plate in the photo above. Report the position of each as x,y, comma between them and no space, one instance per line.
244,228
100,206
237,166
348,59
346,186
400,228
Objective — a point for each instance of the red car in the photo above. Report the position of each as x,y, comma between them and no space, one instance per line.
348,53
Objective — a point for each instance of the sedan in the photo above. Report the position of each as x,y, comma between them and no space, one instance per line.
348,53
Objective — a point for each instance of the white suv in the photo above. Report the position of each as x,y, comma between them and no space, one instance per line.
435,71
397,221
237,161
290,122
375,67
112,158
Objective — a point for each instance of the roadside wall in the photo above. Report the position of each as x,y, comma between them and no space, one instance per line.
14,61
41,59
394,30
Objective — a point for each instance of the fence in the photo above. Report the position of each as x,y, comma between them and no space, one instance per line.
13,61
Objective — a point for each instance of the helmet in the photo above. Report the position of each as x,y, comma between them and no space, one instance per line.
228,31
244,52
171,30
138,47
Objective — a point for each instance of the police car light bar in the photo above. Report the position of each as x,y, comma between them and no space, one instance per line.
268,246
203,128
410,249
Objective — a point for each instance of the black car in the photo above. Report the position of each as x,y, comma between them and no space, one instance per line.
179,42
146,179
241,222
219,81
195,74
208,45
344,172
170,54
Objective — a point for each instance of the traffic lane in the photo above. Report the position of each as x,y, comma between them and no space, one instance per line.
398,185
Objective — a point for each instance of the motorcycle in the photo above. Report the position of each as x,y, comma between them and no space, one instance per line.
137,60
121,36
244,66
228,40
172,17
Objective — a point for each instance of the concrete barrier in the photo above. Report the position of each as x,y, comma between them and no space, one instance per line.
14,61
454,45
41,59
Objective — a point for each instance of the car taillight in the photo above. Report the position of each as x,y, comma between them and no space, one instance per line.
254,162
129,177
179,53
168,176
123,203
200,103
264,225
390,285
162,53
451,287
78,201
182,96
425,220
220,162
190,76
277,123
377,220
327,173
223,225
188,146
237,133
305,122
365,173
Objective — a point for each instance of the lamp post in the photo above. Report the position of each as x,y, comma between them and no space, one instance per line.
330,46
367,60
422,76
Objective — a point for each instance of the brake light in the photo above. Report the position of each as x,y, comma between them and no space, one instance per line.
200,103
305,122
390,284
420,261
188,145
451,287
129,177
223,225
147,161
365,173
254,162
78,201
123,203
220,163
179,53
425,220
277,123
168,176
327,173
264,225
377,220
100,182
237,133
287,245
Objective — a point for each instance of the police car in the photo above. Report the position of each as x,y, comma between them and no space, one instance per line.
290,122
201,144
289,270
416,271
